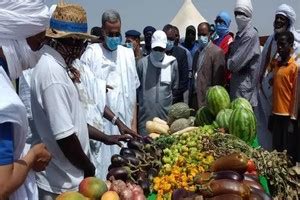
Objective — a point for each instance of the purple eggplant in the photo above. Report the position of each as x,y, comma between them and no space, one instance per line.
226,197
135,144
118,160
120,173
208,176
258,194
148,140
180,194
126,151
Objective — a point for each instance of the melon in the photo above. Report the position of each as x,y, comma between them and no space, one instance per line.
240,103
217,99
192,120
179,110
204,117
222,119
242,123
71,196
92,187
179,124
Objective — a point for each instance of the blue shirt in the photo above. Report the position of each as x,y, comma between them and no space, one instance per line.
6,144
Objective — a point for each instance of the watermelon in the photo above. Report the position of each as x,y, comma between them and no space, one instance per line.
242,123
178,110
222,119
217,98
241,103
204,117
179,125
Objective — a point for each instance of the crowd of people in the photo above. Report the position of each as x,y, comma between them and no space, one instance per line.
79,96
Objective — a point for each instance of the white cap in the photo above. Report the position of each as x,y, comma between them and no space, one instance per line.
159,39
244,6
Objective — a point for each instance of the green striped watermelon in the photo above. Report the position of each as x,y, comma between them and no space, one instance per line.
204,117
241,103
217,98
242,124
222,119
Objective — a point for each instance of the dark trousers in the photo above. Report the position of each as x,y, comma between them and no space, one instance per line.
286,136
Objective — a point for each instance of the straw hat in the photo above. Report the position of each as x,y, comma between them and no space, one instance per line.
69,20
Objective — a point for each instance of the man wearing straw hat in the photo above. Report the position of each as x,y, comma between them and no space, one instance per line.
57,111
111,64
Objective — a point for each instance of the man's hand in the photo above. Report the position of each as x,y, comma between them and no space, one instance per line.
42,157
125,130
115,139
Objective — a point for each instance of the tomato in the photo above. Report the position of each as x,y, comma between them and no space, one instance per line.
251,166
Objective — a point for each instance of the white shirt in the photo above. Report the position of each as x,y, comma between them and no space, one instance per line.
57,114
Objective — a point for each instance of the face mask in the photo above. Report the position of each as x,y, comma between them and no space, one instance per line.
170,45
113,42
241,22
222,30
203,41
129,45
157,55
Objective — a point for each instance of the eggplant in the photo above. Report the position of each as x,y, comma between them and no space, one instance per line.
225,186
235,162
253,184
133,160
145,185
207,176
251,177
121,173
135,144
259,194
126,151
226,197
180,194
118,161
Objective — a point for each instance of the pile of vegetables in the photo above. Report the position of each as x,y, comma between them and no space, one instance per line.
283,178
138,163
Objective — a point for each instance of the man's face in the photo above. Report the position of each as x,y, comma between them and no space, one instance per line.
148,36
112,29
170,35
283,47
134,41
70,49
177,36
281,23
37,41
203,30
190,36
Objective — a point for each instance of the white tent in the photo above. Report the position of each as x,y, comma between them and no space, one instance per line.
187,15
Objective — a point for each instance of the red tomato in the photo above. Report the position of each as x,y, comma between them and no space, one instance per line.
251,166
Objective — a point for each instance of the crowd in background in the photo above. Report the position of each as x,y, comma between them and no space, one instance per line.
80,95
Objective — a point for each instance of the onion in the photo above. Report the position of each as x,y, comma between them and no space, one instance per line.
118,186
139,197
137,190
126,194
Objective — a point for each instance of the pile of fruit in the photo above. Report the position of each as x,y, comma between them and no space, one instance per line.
236,117
137,163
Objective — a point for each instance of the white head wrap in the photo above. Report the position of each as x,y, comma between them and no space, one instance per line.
290,13
19,20
244,6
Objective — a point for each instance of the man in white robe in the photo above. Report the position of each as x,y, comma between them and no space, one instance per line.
108,72
22,25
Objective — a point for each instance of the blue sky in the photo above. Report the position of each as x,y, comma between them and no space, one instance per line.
136,14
